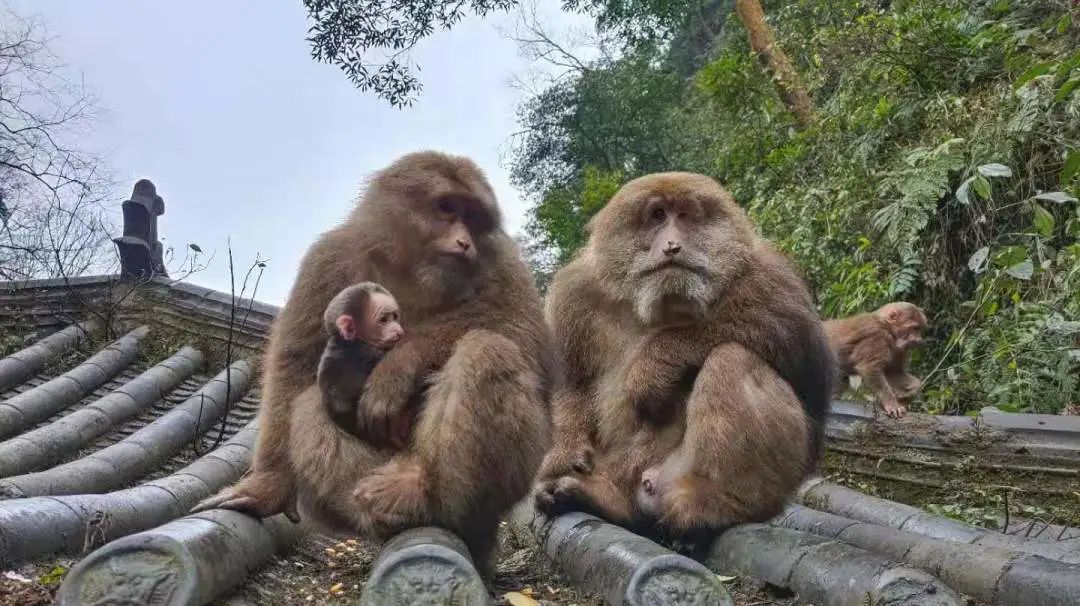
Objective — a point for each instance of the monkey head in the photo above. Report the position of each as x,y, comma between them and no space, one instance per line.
364,311
434,216
670,244
906,322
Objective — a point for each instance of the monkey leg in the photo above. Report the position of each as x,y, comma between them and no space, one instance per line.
479,439
904,385
572,450
745,449
874,377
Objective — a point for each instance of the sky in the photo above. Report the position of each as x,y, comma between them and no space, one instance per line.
248,139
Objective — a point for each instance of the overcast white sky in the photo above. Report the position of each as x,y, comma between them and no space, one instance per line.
245,136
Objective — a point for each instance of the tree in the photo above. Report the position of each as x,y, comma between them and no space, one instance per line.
344,32
52,222
773,59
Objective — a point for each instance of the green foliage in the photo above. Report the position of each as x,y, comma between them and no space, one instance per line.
942,168
343,32
54,577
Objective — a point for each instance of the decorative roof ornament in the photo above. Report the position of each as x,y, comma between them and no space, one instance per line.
139,247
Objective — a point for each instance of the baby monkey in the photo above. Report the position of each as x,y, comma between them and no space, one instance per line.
363,322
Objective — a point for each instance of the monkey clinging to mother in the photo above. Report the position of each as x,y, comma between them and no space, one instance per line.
477,356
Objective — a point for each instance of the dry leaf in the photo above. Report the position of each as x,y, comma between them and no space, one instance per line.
520,599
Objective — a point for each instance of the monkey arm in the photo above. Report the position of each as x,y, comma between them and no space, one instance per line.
662,372
574,426
872,359
401,374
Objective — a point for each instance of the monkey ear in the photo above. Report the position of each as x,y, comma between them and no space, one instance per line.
346,327
892,316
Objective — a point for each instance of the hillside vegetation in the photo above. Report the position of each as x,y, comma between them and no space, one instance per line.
941,165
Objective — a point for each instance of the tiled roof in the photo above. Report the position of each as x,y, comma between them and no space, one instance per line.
132,437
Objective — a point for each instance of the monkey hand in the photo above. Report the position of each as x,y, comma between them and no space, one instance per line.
262,494
383,417
567,459
650,389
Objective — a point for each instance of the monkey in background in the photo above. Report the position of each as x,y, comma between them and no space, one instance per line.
877,347
362,322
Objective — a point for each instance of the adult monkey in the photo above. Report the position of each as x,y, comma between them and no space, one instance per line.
697,371
477,353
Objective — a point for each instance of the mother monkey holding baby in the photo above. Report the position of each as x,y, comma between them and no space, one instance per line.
476,357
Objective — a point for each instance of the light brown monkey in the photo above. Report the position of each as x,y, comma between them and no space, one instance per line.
361,322
877,347
427,228
697,371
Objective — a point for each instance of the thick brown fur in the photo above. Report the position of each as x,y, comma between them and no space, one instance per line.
712,375
476,344
876,346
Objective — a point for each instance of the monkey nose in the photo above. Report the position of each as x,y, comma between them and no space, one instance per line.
464,244
672,248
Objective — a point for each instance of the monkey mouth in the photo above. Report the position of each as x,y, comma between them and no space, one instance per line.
685,265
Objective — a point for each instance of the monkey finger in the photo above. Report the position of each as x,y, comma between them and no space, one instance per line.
583,463
209,503
291,513
243,503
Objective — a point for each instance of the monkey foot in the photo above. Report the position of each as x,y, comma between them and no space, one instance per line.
561,461
560,495
895,410
391,499
260,494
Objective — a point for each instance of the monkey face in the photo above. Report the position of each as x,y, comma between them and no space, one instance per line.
674,241
382,321
906,322
432,216
459,226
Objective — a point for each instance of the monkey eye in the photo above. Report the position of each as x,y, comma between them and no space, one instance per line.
445,206
659,214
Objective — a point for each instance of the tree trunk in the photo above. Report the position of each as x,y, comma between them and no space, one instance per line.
775,62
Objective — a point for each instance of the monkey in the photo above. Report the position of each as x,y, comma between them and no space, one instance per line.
877,347
697,373
361,322
429,229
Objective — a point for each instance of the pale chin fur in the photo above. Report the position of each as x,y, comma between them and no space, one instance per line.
669,297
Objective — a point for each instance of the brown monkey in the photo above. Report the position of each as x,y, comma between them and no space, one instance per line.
877,346
697,371
428,229
362,322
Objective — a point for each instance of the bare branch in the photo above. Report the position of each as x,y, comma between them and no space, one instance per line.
53,222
